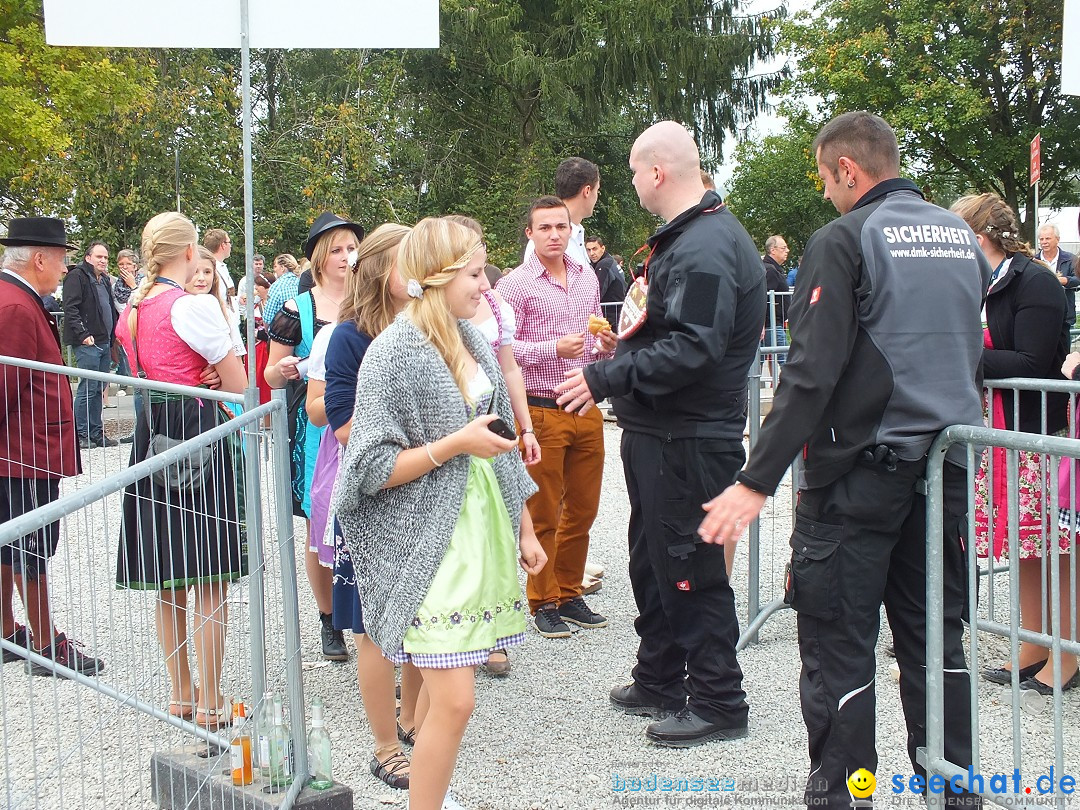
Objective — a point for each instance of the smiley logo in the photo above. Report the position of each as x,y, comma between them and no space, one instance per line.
862,784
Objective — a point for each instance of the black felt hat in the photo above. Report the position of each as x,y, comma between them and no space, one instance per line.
327,222
36,232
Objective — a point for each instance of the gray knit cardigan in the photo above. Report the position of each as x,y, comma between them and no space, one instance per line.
406,397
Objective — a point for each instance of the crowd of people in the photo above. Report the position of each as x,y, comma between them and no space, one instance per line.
443,433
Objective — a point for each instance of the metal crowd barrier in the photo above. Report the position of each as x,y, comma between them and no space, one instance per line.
1042,738
85,739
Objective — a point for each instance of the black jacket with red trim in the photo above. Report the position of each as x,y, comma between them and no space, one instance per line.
887,338
683,373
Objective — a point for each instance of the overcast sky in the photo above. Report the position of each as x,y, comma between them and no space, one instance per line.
766,123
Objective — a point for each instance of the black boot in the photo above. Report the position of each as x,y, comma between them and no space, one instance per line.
333,640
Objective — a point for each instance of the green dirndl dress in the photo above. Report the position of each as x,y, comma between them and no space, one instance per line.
474,604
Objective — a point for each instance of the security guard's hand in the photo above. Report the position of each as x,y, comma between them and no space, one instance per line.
730,513
573,394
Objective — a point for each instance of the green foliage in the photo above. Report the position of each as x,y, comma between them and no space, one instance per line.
776,190
966,83
476,126
50,97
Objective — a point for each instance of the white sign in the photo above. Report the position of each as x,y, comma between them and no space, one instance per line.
216,23
1070,54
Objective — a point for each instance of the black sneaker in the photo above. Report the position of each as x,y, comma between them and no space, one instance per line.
630,700
576,611
686,729
20,637
126,439
333,640
549,623
66,654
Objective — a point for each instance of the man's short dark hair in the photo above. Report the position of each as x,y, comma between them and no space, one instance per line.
573,175
547,201
865,138
92,245
596,239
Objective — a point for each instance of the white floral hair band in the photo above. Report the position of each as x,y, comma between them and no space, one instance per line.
414,289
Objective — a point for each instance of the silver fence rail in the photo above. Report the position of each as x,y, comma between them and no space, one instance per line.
93,738
1041,742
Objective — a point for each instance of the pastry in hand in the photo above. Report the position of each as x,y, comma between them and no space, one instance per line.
598,325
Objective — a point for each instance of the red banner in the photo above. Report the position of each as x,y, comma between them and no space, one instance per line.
1036,163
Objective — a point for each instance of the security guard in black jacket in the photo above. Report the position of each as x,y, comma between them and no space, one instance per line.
678,388
887,339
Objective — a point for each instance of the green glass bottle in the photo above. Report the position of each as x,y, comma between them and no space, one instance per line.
319,749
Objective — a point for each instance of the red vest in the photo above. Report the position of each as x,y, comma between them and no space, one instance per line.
37,421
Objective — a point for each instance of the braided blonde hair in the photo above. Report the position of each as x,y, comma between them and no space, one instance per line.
432,255
164,239
991,216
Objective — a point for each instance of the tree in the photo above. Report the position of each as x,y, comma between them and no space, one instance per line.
50,97
966,83
476,126
775,189
517,85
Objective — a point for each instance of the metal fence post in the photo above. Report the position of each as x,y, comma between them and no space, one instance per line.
753,579
289,598
935,616
253,520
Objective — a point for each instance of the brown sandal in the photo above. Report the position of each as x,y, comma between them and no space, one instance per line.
394,771
213,719
498,667
407,737
184,709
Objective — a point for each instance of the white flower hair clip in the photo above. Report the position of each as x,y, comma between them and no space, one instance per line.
414,289
352,258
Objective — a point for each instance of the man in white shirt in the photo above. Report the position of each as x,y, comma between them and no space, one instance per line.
577,184
219,243
1061,262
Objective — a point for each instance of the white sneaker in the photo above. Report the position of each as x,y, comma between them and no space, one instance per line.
594,570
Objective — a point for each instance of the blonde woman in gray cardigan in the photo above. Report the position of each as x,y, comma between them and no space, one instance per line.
431,501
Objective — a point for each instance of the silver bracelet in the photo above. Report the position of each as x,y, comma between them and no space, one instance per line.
433,461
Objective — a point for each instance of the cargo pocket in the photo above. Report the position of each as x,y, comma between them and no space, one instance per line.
690,564
813,577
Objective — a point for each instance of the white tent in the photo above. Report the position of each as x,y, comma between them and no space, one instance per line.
1066,221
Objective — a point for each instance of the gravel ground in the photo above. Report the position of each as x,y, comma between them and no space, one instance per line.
541,739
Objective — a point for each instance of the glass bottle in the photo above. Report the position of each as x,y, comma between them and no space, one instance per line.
240,748
264,724
319,749
281,753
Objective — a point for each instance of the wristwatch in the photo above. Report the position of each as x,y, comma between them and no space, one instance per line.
528,430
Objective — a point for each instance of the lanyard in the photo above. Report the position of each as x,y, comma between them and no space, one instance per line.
652,250
168,281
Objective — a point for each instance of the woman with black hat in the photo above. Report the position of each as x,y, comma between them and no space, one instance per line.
331,246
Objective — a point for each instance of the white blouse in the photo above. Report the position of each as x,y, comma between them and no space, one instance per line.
198,321
490,327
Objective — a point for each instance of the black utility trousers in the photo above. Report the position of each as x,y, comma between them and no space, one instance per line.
857,543
686,608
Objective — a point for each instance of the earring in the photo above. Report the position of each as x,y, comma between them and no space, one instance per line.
851,183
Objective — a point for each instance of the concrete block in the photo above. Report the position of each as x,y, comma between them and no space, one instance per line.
182,779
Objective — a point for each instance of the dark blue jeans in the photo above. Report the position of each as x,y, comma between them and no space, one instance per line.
88,397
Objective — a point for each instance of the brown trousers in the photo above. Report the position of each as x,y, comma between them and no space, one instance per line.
569,475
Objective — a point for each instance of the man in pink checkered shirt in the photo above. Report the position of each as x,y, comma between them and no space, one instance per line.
553,296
